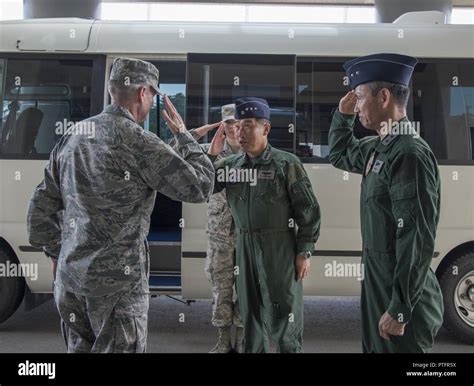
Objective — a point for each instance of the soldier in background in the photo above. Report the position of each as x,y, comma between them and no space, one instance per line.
91,213
220,258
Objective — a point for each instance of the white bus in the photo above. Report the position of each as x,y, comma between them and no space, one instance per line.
53,70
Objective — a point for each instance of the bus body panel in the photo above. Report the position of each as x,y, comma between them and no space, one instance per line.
305,39
337,192
338,195
52,35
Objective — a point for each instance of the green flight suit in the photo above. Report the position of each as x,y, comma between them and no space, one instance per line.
399,207
266,214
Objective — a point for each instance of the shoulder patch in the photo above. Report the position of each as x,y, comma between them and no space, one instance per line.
295,172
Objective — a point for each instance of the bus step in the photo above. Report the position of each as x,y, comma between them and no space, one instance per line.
166,282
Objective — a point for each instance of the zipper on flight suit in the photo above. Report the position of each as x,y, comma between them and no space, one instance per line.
262,318
372,157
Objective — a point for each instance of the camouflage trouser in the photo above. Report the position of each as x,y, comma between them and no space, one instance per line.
105,324
220,272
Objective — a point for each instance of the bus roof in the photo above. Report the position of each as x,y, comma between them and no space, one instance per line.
73,35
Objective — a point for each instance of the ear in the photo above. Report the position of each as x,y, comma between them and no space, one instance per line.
385,97
141,94
266,128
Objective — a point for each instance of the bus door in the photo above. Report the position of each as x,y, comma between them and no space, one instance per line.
214,80
164,237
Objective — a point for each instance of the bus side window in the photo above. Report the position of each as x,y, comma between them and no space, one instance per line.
320,85
41,99
214,80
443,107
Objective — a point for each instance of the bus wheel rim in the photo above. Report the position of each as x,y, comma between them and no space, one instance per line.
464,298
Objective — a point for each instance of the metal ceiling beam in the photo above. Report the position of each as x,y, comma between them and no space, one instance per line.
456,3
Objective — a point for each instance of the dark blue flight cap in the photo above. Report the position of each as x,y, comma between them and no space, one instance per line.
251,107
393,68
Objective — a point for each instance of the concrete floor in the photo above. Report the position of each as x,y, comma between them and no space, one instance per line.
332,325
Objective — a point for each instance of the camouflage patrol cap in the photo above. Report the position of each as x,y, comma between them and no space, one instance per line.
228,112
135,71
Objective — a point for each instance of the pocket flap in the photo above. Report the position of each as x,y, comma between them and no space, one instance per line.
381,189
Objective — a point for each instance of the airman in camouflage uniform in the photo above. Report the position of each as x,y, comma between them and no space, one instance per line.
221,251
220,257
92,211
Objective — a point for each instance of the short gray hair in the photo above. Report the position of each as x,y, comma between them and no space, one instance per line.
262,121
400,93
121,91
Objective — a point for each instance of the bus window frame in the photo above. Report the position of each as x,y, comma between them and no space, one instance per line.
97,81
223,58
341,60
437,61
314,59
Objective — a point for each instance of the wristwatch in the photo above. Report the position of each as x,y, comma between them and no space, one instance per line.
306,254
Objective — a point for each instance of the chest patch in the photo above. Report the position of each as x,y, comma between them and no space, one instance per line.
377,166
266,174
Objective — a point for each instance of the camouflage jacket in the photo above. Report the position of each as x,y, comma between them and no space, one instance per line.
92,210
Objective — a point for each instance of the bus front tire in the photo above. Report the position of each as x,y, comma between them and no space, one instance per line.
12,288
457,285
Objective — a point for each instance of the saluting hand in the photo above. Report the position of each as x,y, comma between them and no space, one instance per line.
203,130
347,103
217,143
302,266
172,117
389,326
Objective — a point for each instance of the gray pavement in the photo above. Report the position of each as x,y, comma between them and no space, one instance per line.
332,325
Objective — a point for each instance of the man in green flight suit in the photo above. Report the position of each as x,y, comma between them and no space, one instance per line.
401,301
268,192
